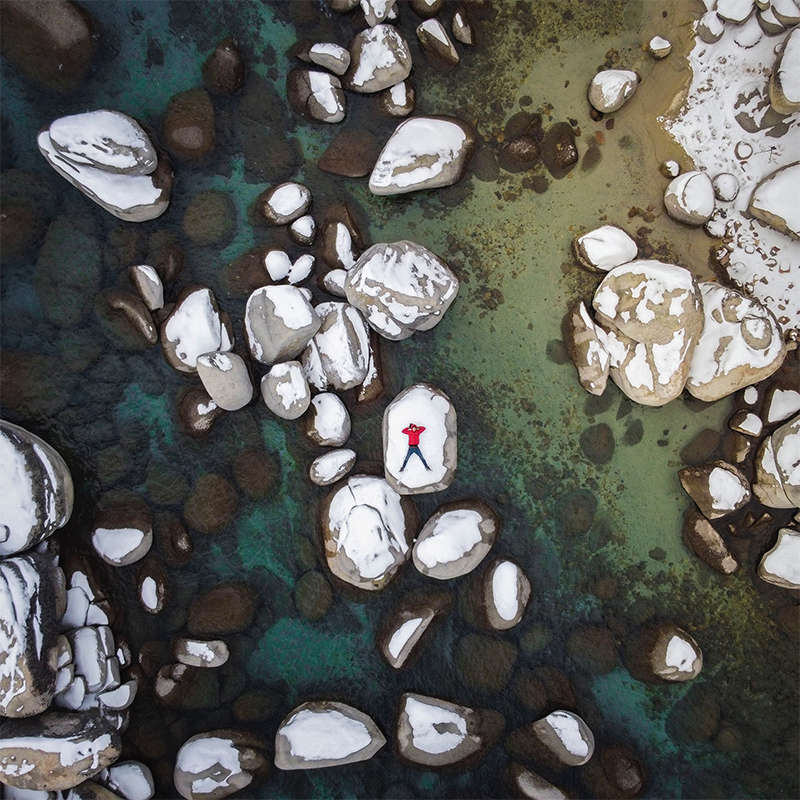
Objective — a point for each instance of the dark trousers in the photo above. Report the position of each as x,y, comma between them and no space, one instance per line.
414,450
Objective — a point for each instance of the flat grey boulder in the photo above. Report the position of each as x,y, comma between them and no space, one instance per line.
455,540
338,355
420,440
741,344
325,733
379,58
610,89
28,635
774,200
367,531
56,751
401,288
195,326
327,421
219,763
331,467
285,391
781,564
436,733
37,487
226,379
279,322
423,153
133,196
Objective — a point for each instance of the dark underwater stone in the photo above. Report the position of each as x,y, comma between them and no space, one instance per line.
634,433
211,504
485,663
576,511
224,70
702,448
597,443
352,154
313,596
189,124
209,219
222,609
257,473
593,649
695,717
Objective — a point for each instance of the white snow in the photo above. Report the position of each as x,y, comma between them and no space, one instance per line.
121,697
331,56
725,488
782,404
787,455
789,69
750,395
505,589
668,358
291,198
131,779
213,755
434,729
689,198
77,609
331,466
195,328
149,593
301,269
402,636
291,306
783,560
332,420
290,383
399,94
568,729
217,361
278,264
680,654
455,534
608,247
610,89
344,245
115,544
70,751
382,47
417,152
435,28
321,735
751,425
304,226
20,507
324,88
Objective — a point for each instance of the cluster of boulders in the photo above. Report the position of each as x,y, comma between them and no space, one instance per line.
656,330
62,692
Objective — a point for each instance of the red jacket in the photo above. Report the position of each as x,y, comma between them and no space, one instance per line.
413,436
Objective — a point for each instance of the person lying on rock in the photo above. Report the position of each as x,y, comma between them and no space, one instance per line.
414,432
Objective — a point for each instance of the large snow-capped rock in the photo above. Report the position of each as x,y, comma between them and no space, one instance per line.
654,315
456,539
610,89
662,653
108,156
718,488
55,751
285,203
367,531
379,58
420,440
423,153
604,248
226,379
741,344
28,635
774,200
777,463
285,391
781,564
279,322
401,288
784,82
325,733
37,487
689,198
503,594
213,765
195,326
436,733
328,421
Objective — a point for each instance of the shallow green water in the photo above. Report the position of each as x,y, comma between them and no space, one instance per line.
496,353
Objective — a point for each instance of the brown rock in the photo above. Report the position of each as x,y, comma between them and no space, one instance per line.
561,739
593,649
485,663
341,241
718,488
125,319
210,218
172,540
597,443
352,154
313,596
702,539
246,273
211,504
520,153
559,151
189,124
662,653
615,774
197,412
702,448
223,609
257,473
224,70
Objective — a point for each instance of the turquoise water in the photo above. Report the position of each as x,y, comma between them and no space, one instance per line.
112,411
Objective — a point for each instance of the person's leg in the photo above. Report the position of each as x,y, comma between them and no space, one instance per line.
408,455
422,458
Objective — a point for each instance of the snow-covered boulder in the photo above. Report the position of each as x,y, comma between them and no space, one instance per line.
563,738
200,652
226,379
37,488
213,765
148,284
654,315
415,465
285,203
726,187
278,264
325,733
379,58
781,564
327,421
774,200
777,465
28,635
741,344
604,248
331,467
279,322
689,198
456,539
152,585
318,96
107,156
503,594
436,44
340,348
195,326
303,230
376,11
367,531
610,89
710,27
423,153
131,780
402,630
122,532
329,55
659,47
435,733
718,488
401,288
735,11
399,100
285,391
662,653
55,751
587,343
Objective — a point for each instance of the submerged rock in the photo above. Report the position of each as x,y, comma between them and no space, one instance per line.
38,489
325,733
436,733
423,153
224,70
367,530
413,466
705,542
189,125
532,786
